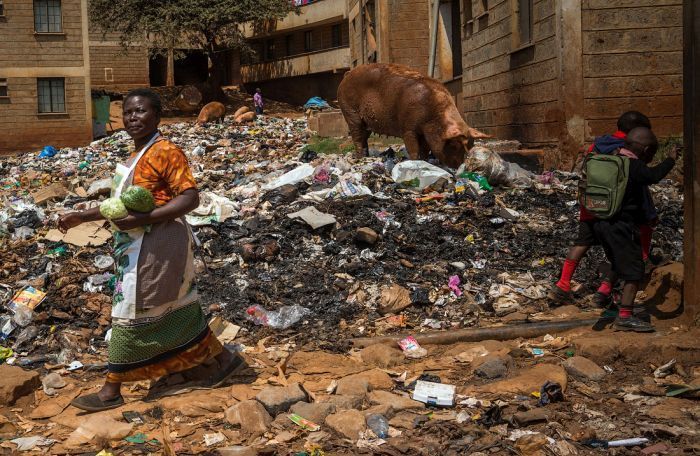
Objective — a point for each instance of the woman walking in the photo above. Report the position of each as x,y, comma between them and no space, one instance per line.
158,327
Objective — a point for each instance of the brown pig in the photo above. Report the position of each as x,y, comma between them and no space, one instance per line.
245,117
241,110
395,100
210,112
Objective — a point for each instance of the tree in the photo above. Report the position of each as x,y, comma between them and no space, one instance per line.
214,26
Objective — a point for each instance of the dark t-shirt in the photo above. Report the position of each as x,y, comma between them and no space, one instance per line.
641,176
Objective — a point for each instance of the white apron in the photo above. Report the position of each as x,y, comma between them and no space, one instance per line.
127,250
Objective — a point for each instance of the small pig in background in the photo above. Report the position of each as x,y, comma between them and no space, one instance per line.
240,111
213,111
395,100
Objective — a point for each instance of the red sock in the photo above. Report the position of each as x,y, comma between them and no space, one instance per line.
566,273
645,237
625,312
605,288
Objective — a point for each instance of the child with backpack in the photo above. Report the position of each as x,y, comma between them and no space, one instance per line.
606,144
615,193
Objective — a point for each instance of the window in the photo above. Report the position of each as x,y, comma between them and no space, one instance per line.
288,42
269,50
52,95
307,41
524,22
335,36
47,16
109,74
3,88
2,9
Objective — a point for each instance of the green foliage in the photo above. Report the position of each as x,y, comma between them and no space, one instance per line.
666,143
322,145
212,26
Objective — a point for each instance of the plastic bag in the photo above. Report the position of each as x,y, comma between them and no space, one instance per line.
280,319
497,170
418,174
294,176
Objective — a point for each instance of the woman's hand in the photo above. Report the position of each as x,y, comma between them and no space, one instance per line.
133,220
69,221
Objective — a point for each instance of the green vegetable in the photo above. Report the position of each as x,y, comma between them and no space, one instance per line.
113,209
138,199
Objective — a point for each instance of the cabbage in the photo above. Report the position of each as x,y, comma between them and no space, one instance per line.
113,209
138,199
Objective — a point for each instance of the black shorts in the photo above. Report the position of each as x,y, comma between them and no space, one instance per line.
586,236
622,245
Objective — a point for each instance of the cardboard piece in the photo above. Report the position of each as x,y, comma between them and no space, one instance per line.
313,217
223,330
55,190
88,234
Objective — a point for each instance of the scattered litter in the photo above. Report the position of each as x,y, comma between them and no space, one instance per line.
665,370
304,423
313,217
431,393
214,439
411,348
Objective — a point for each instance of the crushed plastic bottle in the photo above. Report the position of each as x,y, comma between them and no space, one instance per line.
379,425
280,319
103,261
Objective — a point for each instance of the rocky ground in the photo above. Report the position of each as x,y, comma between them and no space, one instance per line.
393,261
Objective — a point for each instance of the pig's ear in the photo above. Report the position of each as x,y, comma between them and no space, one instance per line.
476,134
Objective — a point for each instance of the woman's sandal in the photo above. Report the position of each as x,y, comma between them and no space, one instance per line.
93,403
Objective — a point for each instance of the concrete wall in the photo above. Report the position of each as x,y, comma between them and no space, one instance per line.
317,62
313,14
26,56
511,92
632,59
113,69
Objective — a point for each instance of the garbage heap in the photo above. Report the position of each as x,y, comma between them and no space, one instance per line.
301,252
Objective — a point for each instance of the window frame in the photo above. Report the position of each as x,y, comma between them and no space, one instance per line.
308,41
269,49
288,45
51,96
339,42
519,23
3,85
2,8
60,30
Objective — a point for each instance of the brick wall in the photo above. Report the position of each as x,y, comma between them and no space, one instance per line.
409,34
129,68
513,93
21,47
22,128
632,59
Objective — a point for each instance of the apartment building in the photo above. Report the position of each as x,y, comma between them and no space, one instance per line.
114,68
301,56
44,74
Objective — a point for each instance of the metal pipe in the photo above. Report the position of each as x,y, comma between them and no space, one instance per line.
433,38
507,332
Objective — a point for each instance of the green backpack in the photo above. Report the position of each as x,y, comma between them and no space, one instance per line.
603,187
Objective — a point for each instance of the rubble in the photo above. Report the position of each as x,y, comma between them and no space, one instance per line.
373,249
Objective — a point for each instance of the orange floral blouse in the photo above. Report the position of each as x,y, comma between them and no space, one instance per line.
164,171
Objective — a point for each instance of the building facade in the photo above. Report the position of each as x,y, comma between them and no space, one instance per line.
113,68
44,74
301,56
549,73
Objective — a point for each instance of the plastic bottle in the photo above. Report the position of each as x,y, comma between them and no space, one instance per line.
280,319
379,425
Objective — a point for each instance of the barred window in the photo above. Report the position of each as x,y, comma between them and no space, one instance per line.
3,87
47,16
52,95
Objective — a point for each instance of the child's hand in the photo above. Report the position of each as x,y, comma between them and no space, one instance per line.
673,152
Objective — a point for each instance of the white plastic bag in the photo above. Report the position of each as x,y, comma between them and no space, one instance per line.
426,173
